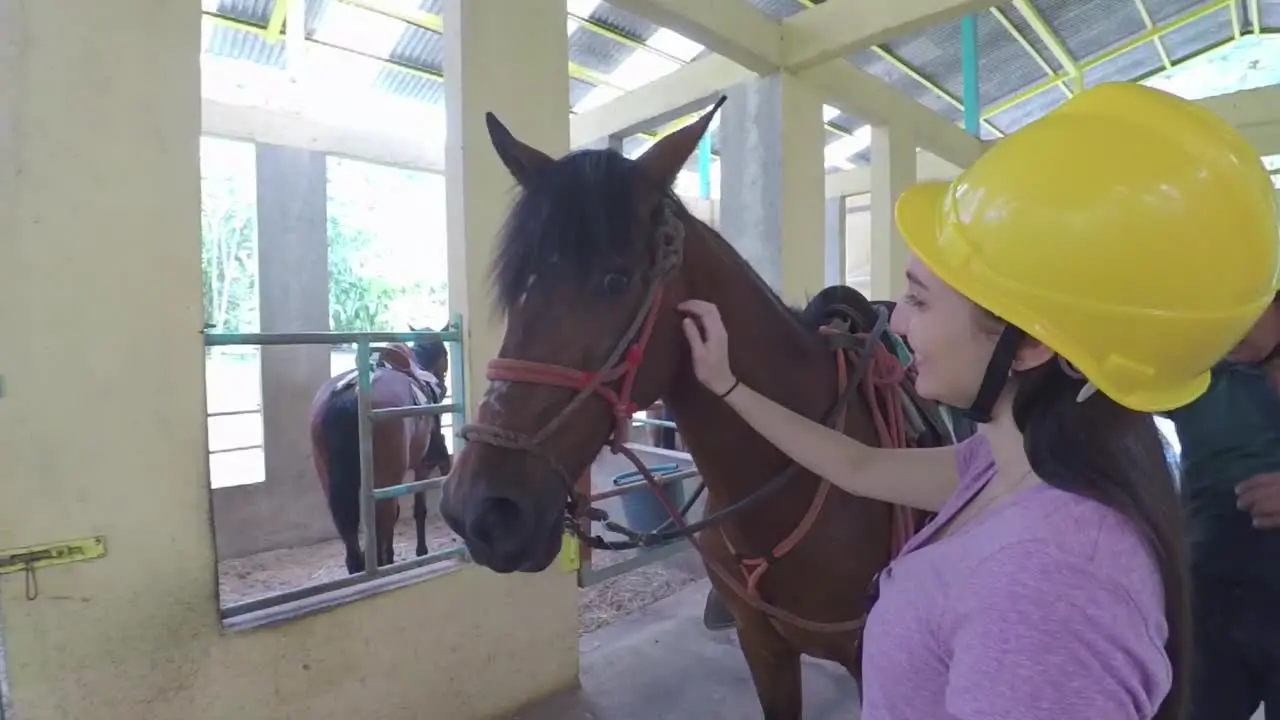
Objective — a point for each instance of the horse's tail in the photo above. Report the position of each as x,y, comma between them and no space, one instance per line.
341,433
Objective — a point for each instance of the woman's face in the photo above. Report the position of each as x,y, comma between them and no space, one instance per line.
952,338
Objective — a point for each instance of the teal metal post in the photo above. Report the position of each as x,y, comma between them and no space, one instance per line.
364,425
458,379
969,71
704,166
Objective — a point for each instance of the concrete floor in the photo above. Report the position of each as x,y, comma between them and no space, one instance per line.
661,664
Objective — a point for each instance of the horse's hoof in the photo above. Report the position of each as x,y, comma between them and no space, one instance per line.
423,551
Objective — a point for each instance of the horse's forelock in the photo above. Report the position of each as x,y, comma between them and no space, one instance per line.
575,214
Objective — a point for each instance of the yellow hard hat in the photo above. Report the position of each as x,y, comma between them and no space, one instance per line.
1130,230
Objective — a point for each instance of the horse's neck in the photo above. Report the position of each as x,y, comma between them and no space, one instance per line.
769,351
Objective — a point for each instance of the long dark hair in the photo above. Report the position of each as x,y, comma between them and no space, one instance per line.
1103,451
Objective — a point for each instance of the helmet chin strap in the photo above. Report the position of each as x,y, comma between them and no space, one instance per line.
999,368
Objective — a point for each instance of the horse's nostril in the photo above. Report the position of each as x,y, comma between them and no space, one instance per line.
497,516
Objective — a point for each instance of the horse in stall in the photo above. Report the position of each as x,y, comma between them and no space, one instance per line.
403,376
603,243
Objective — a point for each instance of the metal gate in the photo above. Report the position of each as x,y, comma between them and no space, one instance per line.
366,416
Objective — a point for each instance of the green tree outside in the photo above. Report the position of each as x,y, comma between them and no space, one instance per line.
362,297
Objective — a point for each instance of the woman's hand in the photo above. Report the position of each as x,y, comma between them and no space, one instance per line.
1260,497
709,345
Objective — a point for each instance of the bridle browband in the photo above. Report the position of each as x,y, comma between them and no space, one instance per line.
623,365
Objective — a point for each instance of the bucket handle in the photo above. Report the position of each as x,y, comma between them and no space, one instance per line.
630,476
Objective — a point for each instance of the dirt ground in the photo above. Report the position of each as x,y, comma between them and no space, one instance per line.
276,571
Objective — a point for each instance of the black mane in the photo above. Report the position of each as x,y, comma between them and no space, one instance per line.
575,214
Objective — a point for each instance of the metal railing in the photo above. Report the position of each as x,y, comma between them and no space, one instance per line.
588,574
366,416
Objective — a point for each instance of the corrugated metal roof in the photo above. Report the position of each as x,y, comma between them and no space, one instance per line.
1028,110
420,48
1270,12
1029,34
623,22
315,13
1088,28
257,12
1198,36
414,86
1165,10
597,52
1005,66
239,44
779,9
1138,62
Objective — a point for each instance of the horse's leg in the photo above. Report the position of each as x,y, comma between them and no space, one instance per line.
420,520
387,513
773,662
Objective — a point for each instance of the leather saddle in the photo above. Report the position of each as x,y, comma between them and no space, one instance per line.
397,357
850,313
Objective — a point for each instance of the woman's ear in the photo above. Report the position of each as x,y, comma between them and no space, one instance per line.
1032,354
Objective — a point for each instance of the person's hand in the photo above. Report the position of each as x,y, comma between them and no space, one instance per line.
1260,497
708,344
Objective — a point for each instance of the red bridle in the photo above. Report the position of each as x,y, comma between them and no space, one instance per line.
599,382
622,364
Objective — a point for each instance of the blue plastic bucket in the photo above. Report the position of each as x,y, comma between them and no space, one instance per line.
643,510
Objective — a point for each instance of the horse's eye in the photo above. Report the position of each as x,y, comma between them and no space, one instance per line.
615,283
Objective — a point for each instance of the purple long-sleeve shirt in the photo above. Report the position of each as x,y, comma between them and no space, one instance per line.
1047,607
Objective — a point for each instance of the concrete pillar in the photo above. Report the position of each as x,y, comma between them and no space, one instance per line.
287,510
835,245
772,184
893,169
508,58
102,418
293,296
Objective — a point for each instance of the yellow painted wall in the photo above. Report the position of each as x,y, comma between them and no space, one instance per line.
102,427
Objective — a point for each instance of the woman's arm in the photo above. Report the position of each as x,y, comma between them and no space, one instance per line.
921,479
918,478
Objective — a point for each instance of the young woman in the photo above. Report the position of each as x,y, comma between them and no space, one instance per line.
1086,271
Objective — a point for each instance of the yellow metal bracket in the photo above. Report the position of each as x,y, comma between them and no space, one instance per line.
570,559
33,557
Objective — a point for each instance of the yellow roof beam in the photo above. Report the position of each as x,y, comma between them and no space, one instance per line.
1160,48
1074,73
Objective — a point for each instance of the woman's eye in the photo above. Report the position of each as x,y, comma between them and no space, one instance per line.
912,300
615,283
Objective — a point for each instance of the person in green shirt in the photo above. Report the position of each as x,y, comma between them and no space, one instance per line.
1230,484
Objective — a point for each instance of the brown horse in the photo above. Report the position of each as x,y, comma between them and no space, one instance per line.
602,244
402,377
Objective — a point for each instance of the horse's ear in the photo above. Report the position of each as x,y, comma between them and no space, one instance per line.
667,157
522,160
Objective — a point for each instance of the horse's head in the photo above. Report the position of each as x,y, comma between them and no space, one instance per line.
431,355
588,273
